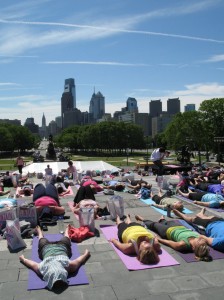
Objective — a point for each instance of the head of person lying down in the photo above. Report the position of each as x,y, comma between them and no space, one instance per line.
27,191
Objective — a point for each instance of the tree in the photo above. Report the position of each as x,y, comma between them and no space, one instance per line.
187,128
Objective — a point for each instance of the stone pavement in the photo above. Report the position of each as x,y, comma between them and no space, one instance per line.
108,277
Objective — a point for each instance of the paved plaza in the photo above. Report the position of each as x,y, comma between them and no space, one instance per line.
108,278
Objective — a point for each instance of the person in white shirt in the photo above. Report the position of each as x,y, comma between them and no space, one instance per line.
157,157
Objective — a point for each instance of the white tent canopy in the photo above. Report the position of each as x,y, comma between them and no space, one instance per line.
81,166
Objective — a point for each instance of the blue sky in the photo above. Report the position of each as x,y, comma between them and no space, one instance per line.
144,49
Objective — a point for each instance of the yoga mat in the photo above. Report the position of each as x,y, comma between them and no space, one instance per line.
69,194
36,283
131,262
189,257
161,211
190,201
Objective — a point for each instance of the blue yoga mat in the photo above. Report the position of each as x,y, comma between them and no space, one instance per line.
36,283
161,211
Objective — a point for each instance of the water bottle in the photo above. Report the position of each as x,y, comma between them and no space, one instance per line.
61,224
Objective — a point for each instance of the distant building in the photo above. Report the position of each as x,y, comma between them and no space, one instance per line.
70,88
173,106
58,122
72,117
13,122
52,128
141,119
155,108
189,107
159,123
66,105
132,105
29,123
97,106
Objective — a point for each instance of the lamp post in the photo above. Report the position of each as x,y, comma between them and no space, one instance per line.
219,140
127,149
127,152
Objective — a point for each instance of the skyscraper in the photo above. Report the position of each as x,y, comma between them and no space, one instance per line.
155,108
43,121
189,107
70,88
173,106
97,105
132,105
68,99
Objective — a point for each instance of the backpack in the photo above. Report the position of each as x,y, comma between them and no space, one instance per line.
79,234
145,193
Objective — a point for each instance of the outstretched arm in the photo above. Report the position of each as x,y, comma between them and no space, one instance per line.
30,264
159,206
179,246
206,204
76,263
126,248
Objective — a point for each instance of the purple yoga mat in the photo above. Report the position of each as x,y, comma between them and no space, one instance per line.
36,283
189,257
131,262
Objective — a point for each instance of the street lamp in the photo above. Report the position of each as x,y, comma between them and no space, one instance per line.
219,140
127,152
127,149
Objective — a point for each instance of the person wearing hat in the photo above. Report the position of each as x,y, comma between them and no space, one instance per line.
56,264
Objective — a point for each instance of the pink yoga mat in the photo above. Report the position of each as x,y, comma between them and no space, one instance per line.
131,262
36,283
69,194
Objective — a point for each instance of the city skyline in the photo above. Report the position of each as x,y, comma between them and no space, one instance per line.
144,50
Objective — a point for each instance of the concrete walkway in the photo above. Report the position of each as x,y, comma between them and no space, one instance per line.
108,277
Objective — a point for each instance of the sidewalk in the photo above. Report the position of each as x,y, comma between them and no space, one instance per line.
108,278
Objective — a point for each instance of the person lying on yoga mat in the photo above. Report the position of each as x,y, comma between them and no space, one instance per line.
62,191
204,199
84,192
211,188
136,185
89,203
135,239
47,196
114,185
56,264
26,190
165,200
214,227
179,237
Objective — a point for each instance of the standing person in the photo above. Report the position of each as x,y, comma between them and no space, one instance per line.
71,171
20,164
157,156
56,264
48,175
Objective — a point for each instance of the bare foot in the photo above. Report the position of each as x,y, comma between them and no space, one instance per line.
138,218
38,230
22,258
203,211
161,218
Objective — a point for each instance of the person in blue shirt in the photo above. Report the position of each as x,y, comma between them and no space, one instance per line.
214,227
205,199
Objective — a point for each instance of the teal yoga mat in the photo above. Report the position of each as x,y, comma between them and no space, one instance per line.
161,211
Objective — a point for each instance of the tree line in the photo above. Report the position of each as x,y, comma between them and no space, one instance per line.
196,129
